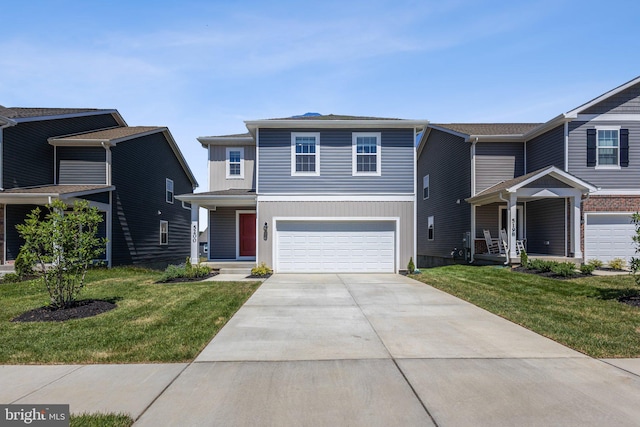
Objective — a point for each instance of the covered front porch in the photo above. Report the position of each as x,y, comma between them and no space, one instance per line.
538,212
231,224
17,203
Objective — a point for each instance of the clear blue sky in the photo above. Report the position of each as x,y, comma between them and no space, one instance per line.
202,67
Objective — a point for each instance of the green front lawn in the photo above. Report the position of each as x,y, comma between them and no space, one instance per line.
152,323
101,420
583,314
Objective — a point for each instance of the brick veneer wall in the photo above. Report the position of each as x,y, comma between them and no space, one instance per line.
607,204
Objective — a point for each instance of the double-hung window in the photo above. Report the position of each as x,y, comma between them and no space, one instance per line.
235,163
164,232
366,157
305,153
608,147
169,190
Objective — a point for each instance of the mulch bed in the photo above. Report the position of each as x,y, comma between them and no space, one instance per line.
190,279
549,274
633,300
81,310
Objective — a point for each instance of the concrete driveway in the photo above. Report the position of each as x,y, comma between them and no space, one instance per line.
384,350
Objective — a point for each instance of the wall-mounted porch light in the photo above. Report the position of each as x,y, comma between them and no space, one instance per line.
265,227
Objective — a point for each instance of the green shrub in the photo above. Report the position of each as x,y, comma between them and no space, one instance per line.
596,263
524,259
11,278
542,265
564,269
587,268
187,271
261,270
25,263
411,267
617,264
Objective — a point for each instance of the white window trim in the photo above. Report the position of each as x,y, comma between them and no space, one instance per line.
228,163
425,185
294,135
166,191
598,165
354,154
431,223
163,222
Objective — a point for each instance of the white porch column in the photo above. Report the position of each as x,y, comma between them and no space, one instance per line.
575,225
195,227
512,205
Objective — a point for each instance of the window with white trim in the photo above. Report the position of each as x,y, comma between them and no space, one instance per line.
425,187
169,190
366,158
608,147
430,228
305,153
164,232
235,163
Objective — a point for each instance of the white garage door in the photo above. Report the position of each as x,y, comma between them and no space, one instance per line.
608,236
335,246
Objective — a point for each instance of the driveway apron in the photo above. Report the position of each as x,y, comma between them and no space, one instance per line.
385,350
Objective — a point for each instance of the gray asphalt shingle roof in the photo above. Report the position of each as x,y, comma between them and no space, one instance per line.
489,128
22,113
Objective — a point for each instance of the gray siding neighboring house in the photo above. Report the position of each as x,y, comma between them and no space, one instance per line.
571,204
81,165
546,149
497,161
93,155
447,161
622,178
28,141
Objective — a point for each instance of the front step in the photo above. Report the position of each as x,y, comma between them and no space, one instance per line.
245,271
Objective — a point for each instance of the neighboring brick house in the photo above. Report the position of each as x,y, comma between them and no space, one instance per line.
543,183
313,193
129,173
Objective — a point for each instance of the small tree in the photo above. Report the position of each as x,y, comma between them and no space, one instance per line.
635,261
64,244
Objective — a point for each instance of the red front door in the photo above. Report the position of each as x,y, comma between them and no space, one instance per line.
247,225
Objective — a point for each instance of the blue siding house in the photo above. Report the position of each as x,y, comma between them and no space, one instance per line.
313,193
564,188
130,173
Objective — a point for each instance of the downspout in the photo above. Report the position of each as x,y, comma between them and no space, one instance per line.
472,234
507,261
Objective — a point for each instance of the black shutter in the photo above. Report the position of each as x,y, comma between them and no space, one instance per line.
624,148
591,147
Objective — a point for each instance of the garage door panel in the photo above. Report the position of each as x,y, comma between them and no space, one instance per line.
335,246
609,236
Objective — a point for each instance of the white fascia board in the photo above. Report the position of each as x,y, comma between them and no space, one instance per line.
336,198
226,140
559,175
574,113
336,124
608,117
616,192
546,126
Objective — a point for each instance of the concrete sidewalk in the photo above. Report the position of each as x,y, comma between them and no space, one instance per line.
357,350
380,350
